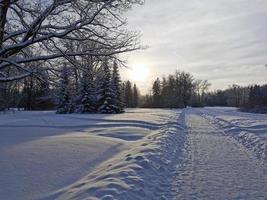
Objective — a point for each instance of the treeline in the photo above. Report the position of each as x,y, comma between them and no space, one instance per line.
131,94
250,98
176,91
182,89
29,94
96,88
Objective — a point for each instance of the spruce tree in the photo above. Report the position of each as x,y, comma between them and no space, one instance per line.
116,85
106,93
87,100
64,98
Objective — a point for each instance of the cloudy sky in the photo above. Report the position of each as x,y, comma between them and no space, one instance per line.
223,41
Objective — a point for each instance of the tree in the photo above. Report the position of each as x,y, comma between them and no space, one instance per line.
186,84
135,96
172,96
174,92
164,92
43,94
128,94
156,92
87,99
116,84
200,88
64,96
234,95
2,98
123,89
44,27
106,94
217,98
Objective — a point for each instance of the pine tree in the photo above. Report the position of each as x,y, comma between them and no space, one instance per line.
135,96
116,85
106,94
87,100
64,98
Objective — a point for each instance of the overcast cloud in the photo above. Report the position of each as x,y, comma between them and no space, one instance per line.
223,41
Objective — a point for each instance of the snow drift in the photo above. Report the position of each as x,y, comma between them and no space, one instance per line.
139,173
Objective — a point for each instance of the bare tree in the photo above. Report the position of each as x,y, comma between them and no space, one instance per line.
46,27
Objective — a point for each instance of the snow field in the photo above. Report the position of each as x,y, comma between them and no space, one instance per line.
141,154
48,156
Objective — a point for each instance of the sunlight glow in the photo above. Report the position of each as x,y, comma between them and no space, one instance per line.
139,73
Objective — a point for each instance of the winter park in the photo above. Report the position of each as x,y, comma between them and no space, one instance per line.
133,100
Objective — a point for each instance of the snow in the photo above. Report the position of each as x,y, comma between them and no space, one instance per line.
207,153
248,128
216,167
41,152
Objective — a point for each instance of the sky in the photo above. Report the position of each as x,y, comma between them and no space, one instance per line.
223,41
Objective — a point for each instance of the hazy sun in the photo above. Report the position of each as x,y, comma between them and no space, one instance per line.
139,73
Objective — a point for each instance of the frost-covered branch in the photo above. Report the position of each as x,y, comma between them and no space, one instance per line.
44,27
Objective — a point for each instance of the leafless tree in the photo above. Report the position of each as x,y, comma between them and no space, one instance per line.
34,31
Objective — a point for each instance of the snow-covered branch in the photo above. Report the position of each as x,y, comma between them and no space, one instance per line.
45,27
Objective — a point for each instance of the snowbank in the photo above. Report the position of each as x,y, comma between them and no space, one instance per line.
142,172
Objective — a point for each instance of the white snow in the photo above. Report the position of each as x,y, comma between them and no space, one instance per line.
248,128
141,154
215,166
41,153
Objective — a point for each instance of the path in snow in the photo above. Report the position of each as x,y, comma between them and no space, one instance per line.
217,167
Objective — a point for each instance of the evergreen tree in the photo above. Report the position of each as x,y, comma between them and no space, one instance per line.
116,85
128,94
156,91
172,96
64,97
164,92
106,93
135,96
87,101
123,86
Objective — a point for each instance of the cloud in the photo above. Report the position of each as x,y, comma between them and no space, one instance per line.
224,41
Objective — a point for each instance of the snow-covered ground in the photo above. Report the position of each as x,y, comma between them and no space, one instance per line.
248,128
43,154
210,153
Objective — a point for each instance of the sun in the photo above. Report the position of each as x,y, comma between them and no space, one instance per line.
139,73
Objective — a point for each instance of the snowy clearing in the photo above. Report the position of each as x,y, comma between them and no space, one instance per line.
142,154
